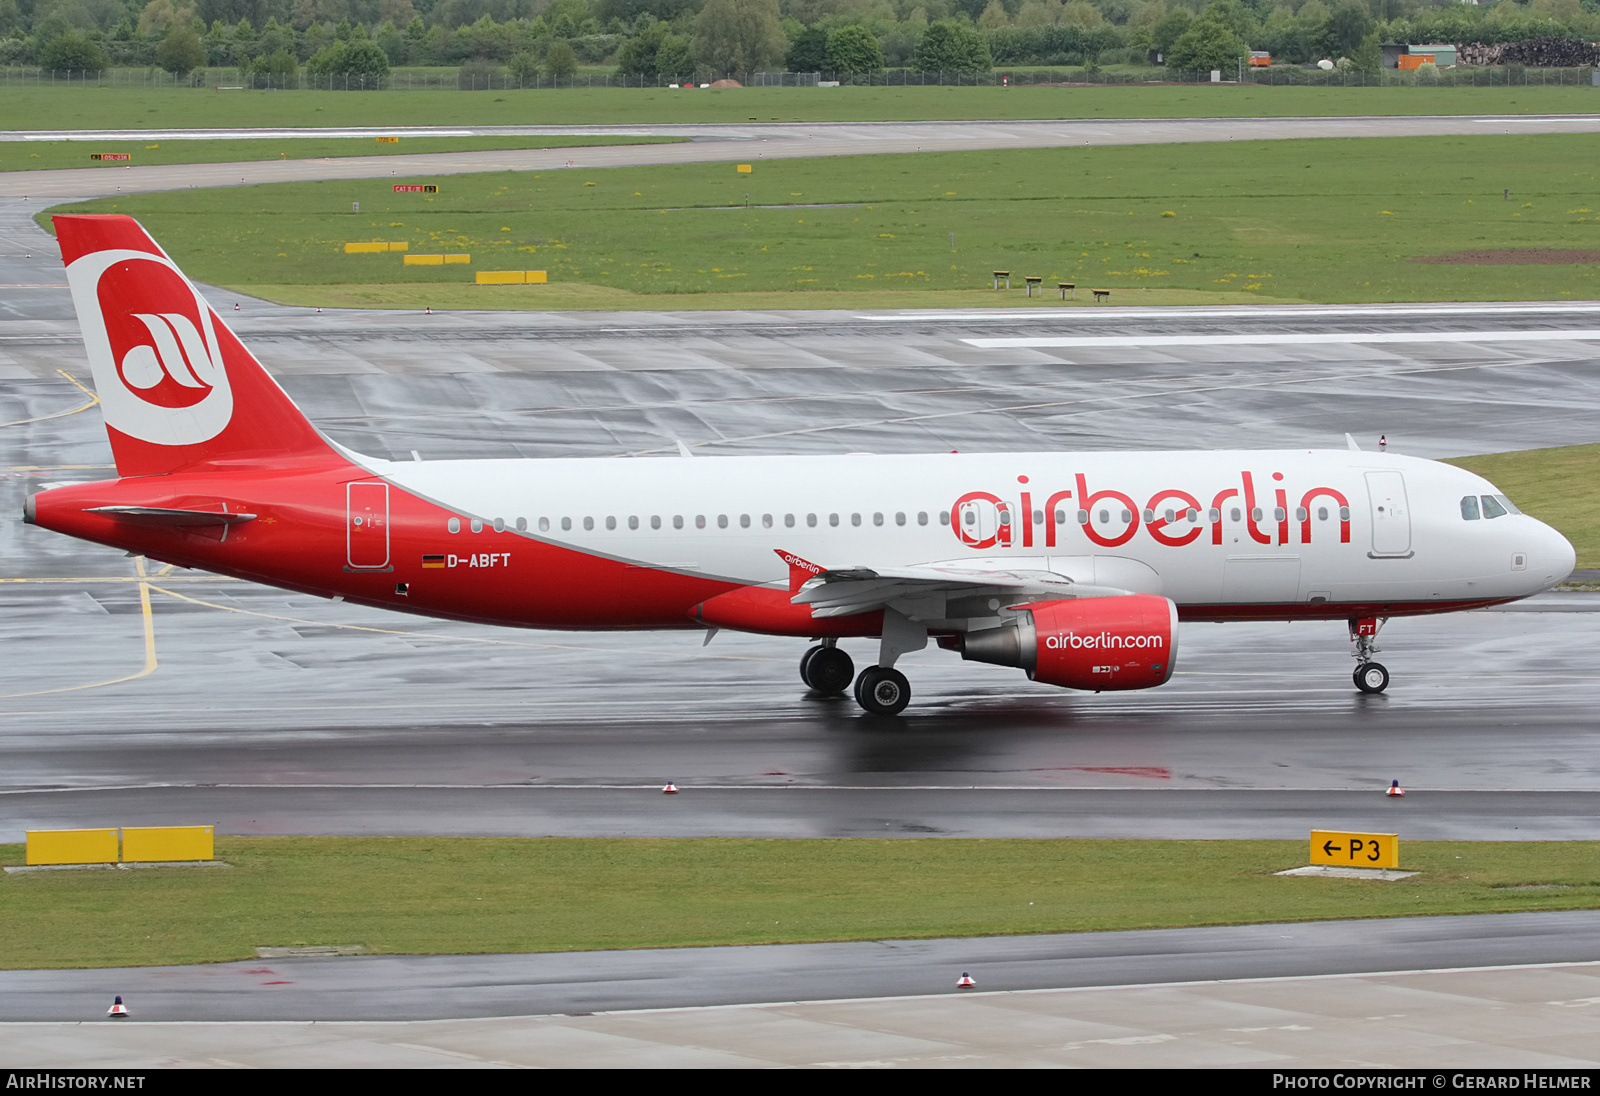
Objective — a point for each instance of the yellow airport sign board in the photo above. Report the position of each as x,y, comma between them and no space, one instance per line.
71,847
1355,850
166,843
744,169
388,140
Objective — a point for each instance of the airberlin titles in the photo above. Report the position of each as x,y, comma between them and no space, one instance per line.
1168,508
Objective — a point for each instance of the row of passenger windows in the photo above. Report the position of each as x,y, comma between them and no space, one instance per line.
1169,516
968,517
767,521
1493,506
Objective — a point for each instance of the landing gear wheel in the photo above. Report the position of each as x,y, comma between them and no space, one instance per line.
1370,677
827,670
805,664
883,691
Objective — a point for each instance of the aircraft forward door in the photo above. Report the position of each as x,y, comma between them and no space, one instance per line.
1391,514
367,526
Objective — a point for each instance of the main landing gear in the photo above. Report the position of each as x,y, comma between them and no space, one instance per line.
1369,676
880,689
826,669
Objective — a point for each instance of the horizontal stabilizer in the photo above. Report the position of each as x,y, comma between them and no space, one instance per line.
167,515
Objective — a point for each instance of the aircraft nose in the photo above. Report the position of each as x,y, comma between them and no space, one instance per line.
1556,557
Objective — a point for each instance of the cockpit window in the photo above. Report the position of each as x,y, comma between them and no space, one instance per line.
1469,508
1492,507
1511,507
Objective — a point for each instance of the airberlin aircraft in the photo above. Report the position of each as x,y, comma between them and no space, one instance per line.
1074,567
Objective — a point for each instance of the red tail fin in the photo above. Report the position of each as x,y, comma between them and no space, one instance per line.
176,386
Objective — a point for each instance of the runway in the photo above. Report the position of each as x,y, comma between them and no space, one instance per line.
274,713
395,987
725,142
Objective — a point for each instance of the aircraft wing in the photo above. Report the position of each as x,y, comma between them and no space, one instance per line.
924,592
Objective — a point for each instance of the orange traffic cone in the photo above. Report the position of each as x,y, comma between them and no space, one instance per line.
965,981
117,1008
670,789
1395,790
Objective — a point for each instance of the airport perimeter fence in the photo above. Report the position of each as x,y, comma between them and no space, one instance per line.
478,78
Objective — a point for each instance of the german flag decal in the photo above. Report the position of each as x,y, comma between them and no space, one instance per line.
432,561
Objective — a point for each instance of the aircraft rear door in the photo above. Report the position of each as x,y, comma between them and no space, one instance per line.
367,526
1391,514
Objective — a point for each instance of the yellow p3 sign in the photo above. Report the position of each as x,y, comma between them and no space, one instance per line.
1355,850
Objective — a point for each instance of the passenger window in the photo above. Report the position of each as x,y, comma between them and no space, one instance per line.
922,517
522,525
477,526
1150,515
1255,515
453,525
1083,517
722,521
944,517
1492,507
677,521
788,521
1038,517
1233,514
1213,514
699,521
1300,513
1469,508
900,517
1279,513
969,517
544,525
855,519
566,525
1105,516
499,525
1344,513
1127,515
611,523
588,524
1061,517
633,521
833,519
766,521
811,520
744,521
1322,513
877,519
1170,516
1005,517
655,521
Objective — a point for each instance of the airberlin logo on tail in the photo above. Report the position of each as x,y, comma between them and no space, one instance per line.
153,346
177,353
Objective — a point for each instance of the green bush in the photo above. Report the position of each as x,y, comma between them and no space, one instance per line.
70,51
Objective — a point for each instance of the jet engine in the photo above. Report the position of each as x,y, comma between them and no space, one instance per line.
1127,642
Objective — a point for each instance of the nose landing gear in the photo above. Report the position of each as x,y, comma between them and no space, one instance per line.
1369,676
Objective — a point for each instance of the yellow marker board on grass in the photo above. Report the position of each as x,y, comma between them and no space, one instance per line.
165,843
71,847
744,169
1343,849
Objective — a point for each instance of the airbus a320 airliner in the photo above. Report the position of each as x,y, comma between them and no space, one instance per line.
1074,567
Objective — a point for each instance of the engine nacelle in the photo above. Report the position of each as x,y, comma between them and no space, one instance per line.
1098,643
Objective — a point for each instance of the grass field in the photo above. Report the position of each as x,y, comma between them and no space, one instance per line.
39,155
1554,485
184,108
465,895
1322,220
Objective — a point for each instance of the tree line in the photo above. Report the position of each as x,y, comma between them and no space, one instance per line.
684,39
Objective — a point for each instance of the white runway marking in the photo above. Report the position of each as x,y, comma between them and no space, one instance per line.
1286,338
1231,312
